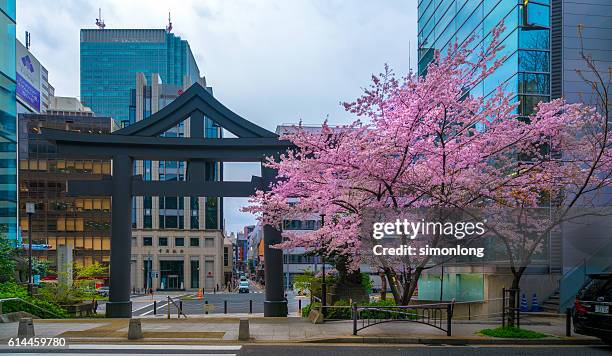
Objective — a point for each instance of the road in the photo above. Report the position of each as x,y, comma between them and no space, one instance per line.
236,303
314,350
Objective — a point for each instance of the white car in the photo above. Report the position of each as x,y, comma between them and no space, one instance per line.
243,287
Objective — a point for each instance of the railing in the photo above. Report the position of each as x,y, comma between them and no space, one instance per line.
19,300
179,308
572,281
437,315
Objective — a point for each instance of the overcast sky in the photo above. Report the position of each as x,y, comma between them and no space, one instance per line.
270,61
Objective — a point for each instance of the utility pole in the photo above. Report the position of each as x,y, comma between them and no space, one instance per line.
323,284
30,208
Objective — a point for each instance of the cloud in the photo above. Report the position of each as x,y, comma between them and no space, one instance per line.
271,61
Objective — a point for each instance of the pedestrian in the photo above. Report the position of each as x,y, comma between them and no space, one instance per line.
94,303
151,292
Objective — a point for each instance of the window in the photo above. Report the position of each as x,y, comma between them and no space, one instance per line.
211,213
209,242
179,241
533,61
530,83
194,242
163,241
225,256
147,241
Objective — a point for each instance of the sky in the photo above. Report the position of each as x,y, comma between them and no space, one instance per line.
270,61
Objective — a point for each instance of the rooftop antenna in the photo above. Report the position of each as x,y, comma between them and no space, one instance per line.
27,40
99,22
169,27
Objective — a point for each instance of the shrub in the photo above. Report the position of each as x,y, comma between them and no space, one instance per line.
306,310
512,332
47,308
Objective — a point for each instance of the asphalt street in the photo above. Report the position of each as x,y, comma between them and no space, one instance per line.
236,303
313,350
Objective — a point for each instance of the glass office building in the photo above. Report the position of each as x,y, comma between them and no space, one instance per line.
111,58
526,41
8,122
82,222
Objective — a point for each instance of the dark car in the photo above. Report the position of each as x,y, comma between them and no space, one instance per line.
592,313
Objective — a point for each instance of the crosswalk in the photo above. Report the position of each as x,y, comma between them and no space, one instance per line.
130,349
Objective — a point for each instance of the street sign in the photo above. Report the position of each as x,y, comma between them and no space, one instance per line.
30,208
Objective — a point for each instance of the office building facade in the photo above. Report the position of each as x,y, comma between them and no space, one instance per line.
8,122
178,242
59,220
526,42
543,46
111,58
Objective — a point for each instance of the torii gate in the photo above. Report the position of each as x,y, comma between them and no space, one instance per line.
141,141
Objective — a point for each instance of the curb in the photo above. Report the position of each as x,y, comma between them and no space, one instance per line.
452,341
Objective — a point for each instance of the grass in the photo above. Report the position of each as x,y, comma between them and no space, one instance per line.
512,332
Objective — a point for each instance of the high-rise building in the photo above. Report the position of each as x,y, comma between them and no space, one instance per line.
179,238
33,89
81,222
8,122
110,59
526,41
543,46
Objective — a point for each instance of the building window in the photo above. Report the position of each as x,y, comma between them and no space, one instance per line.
194,242
211,213
147,241
179,241
195,206
209,242
225,256
195,274
162,241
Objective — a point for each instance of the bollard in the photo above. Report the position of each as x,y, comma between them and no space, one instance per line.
206,307
449,317
299,306
354,312
568,322
168,307
243,330
135,330
26,328
250,306
155,307
180,309
225,307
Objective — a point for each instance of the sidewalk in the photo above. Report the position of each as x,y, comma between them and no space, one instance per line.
218,329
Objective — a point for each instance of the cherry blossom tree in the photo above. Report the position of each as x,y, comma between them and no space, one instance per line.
429,142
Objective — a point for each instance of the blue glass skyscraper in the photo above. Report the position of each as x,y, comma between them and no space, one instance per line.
110,59
526,41
8,122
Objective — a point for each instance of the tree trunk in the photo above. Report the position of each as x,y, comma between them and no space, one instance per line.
514,296
383,286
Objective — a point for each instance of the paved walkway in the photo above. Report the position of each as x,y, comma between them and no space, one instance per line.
225,329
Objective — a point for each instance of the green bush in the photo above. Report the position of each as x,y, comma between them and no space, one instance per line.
512,332
306,309
366,282
339,313
47,308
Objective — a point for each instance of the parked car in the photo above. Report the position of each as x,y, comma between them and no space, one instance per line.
243,287
103,291
592,312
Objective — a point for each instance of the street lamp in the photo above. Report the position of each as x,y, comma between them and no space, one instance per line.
323,284
30,208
